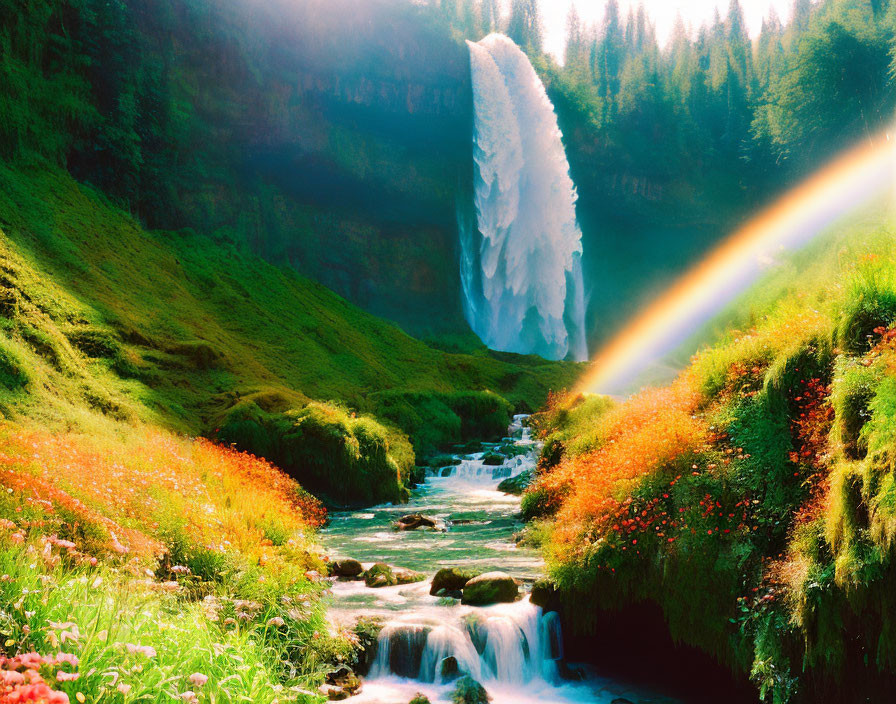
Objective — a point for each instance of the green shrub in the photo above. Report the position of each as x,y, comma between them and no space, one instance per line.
869,303
345,459
539,502
435,420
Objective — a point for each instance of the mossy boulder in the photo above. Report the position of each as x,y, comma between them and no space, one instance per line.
408,576
518,484
490,588
469,691
414,521
346,568
346,459
380,575
451,579
440,461
342,679
493,459
449,669
544,594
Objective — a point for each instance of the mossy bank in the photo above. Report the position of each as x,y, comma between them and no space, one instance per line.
750,503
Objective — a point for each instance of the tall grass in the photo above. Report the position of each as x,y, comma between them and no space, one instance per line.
138,641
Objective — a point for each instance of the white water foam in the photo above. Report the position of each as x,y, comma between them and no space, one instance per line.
522,278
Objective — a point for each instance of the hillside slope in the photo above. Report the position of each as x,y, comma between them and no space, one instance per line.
178,330
749,504
324,135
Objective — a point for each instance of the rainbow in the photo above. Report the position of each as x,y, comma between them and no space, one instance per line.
850,181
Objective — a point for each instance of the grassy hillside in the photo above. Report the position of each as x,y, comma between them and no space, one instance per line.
103,319
142,566
752,499
286,125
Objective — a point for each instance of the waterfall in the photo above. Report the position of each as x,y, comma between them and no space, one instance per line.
521,267
504,644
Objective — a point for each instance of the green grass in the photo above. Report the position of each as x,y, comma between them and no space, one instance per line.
244,659
178,329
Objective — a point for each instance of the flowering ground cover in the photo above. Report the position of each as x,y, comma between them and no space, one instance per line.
753,498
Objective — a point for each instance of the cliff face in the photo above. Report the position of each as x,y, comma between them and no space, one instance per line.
328,136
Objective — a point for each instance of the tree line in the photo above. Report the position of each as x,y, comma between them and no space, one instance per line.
729,114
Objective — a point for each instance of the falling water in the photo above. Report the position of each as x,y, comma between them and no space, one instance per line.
521,264
508,644
514,650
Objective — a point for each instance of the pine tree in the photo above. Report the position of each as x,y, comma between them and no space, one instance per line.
800,14
769,50
525,25
609,53
739,49
575,39
491,16
682,62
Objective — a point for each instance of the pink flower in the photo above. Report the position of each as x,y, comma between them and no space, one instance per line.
63,676
31,661
67,658
11,677
198,679
18,537
146,650
124,688
39,692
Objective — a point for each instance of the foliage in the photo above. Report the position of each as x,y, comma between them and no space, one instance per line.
438,420
346,458
752,499
145,559
110,636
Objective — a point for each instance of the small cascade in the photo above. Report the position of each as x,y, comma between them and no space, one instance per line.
474,471
508,644
506,651
400,649
444,642
551,646
518,427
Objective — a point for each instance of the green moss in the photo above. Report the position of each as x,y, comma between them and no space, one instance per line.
380,575
347,459
518,484
469,691
852,390
13,376
869,304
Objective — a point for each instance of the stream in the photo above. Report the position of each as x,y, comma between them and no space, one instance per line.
513,649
